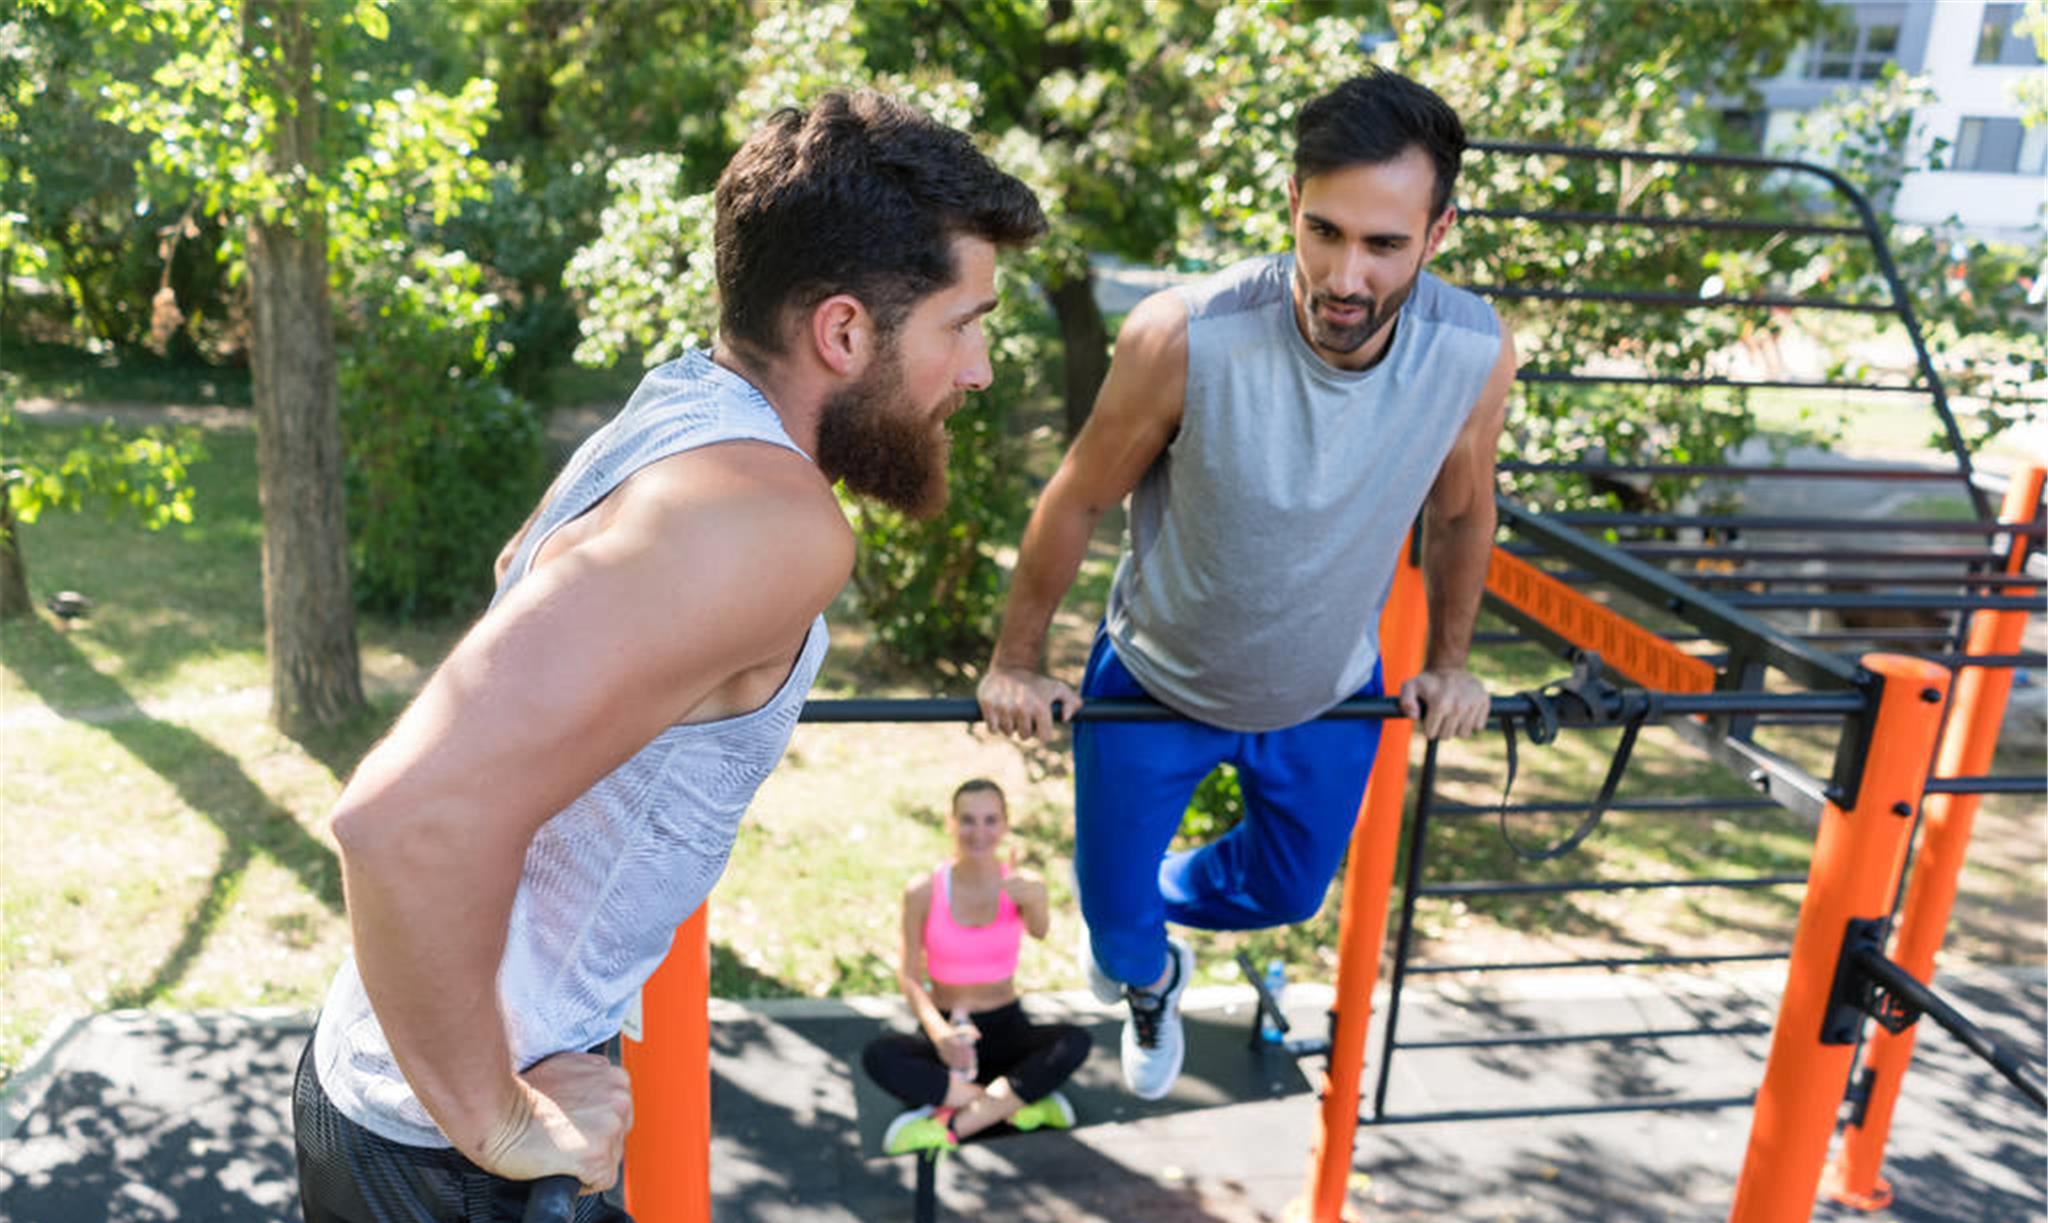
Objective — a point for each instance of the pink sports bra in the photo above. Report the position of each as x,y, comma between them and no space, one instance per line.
969,955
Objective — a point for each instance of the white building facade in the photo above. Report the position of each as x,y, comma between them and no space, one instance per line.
1995,182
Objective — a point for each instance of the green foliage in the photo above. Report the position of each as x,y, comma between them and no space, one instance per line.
443,460
1216,808
1984,335
143,475
932,590
87,223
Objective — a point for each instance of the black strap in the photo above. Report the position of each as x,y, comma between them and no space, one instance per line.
1637,708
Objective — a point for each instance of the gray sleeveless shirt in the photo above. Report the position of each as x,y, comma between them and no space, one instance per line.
609,878
1263,541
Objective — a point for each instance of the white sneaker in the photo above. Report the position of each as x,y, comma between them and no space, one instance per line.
1154,1044
1106,990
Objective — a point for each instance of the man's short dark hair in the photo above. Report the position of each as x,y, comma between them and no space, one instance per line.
860,194
1374,118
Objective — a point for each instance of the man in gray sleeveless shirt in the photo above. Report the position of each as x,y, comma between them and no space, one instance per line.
519,850
1277,427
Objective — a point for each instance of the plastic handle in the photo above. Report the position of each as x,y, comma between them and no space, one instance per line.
553,1200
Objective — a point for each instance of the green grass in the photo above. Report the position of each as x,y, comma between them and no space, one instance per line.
67,372
161,845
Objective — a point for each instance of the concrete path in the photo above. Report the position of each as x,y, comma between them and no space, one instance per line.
136,1118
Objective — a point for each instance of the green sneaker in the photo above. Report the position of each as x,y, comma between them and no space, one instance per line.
917,1130
1052,1111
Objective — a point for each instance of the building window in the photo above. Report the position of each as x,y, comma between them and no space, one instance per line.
2001,146
1859,50
1999,43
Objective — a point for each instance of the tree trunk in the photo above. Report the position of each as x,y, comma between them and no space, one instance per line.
308,608
1085,342
14,600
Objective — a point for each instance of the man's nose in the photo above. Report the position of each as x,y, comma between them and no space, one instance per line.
1348,278
978,374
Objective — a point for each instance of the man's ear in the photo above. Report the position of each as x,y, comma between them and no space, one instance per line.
1293,202
842,334
1437,229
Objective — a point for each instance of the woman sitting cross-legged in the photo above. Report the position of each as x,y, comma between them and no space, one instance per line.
976,1061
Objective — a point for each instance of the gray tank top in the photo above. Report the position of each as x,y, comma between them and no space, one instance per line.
610,877
1263,541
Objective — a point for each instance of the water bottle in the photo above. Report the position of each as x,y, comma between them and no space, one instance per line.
1276,988
962,1024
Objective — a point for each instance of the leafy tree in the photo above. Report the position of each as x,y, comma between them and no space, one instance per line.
285,120
581,84
87,223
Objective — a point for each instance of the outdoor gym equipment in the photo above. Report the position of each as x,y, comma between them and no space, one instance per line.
1717,673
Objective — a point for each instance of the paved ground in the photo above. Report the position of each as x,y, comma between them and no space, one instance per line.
136,1118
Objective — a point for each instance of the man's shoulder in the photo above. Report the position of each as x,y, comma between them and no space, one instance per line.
1437,302
752,491
1244,287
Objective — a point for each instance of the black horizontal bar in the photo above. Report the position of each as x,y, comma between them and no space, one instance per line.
1769,225
1866,587
1888,602
1695,1104
1652,961
1498,888
1682,301
2034,659
1987,785
1725,469
1736,161
1786,522
1652,805
966,710
1576,1038
1679,552
1708,382
1860,578
1887,634
1732,625
1873,634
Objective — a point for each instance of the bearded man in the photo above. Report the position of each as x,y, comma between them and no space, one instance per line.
565,791
1277,428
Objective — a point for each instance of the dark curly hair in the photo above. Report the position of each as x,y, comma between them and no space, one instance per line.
860,194
1374,118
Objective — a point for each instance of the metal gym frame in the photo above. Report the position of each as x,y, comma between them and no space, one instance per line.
1703,672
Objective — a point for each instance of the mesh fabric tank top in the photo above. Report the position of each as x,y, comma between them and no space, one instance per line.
1262,543
609,878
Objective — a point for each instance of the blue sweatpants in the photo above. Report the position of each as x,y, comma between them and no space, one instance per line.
1132,782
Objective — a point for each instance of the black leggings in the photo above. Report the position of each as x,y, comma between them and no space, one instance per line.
349,1175
1035,1057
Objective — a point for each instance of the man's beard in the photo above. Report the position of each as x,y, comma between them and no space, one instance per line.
1349,339
868,439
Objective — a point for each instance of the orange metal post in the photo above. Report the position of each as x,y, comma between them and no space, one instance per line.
1857,856
1362,922
668,1150
1967,744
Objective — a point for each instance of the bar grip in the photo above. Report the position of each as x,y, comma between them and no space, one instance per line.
553,1200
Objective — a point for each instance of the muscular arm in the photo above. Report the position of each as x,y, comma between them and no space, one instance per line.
1459,518
1458,523
580,666
1135,417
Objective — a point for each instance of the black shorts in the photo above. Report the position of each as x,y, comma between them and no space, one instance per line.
349,1175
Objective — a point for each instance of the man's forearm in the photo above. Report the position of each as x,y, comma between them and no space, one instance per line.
429,919
1054,543
1455,556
